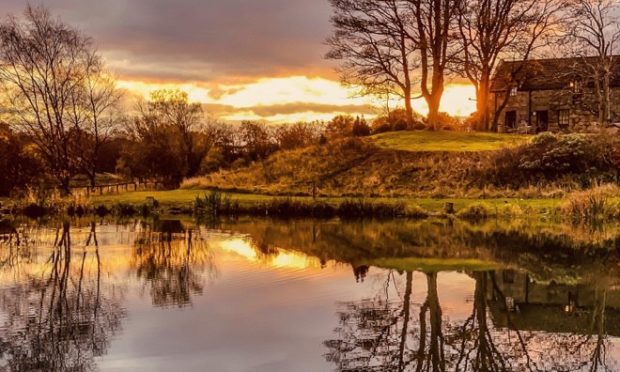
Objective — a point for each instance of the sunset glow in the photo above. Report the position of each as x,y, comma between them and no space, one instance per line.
295,98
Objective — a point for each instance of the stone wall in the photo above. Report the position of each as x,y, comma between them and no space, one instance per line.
582,109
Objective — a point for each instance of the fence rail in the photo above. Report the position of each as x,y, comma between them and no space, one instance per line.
115,188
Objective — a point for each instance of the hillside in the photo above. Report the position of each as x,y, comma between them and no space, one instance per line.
391,164
431,164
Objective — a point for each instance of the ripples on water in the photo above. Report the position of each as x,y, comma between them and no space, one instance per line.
261,295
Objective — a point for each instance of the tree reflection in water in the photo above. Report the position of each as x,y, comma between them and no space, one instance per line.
61,317
172,261
386,334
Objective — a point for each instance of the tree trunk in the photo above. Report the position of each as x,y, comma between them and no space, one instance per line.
482,102
607,96
65,186
436,351
408,107
92,178
406,316
433,112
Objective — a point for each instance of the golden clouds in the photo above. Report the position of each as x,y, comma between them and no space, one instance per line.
294,98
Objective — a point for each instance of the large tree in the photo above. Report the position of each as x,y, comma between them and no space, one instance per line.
492,30
374,41
435,23
45,70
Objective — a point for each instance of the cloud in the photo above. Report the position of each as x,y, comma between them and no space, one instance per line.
279,112
183,40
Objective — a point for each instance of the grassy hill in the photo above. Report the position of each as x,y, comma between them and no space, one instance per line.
426,164
426,141
396,164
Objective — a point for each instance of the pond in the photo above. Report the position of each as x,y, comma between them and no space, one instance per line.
307,295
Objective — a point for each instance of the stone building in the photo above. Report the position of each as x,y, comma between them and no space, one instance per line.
551,95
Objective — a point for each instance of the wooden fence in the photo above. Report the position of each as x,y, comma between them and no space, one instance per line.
115,188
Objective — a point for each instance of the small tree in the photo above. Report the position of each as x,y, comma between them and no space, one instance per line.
257,140
292,136
172,108
340,126
360,128
98,110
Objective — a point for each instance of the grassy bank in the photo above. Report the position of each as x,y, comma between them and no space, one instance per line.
186,199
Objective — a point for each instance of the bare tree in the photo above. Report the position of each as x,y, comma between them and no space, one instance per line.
374,41
44,66
100,103
173,108
492,30
435,22
596,38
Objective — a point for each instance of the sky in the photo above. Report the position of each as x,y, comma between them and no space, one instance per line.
243,59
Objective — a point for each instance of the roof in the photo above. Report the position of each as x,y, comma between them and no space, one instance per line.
547,74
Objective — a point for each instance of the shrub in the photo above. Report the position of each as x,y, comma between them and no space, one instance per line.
213,161
212,203
548,157
124,209
415,211
591,205
477,211
511,210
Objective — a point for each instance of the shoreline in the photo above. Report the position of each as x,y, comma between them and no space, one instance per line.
183,201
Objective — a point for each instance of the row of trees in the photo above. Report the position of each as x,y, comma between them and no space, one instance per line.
408,48
64,116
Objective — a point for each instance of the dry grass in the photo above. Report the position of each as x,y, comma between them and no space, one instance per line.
357,168
593,204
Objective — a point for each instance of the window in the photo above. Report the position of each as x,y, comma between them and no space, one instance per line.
513,91
511,119
575,86
563,118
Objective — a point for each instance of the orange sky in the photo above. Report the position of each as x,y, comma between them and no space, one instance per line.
259,60
296,98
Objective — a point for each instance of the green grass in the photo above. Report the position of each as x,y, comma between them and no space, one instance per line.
433,265
428,141
186,198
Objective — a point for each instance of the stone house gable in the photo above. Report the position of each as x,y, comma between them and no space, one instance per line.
550,95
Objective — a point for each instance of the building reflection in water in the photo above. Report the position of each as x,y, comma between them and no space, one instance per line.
515,324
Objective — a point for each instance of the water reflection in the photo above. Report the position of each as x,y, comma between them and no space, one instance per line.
62,314
380,296
171,260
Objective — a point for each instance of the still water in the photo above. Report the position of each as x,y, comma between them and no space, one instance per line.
264,295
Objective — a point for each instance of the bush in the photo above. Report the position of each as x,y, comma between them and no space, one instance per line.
20,167
477,211
591,205
397,120
212,203
582,158
213,161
